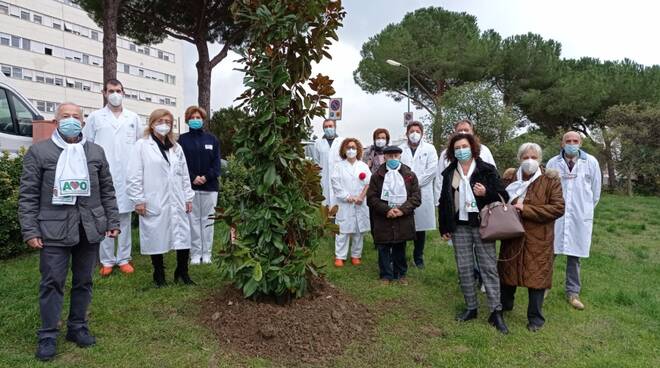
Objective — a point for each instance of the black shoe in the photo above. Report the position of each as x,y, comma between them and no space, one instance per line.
81,337
467,315
46,349
496,319
420,266
159,270
180,276
159,278
533,328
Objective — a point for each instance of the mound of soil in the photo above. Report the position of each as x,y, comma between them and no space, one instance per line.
308,330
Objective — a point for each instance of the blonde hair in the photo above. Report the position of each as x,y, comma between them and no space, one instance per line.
529,146
154,117
193,109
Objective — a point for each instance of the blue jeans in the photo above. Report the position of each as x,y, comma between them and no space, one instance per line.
392,261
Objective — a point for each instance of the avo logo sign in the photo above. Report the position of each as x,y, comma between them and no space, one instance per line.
68,187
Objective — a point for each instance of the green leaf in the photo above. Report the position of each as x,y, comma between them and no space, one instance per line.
256,272
270,175
250,287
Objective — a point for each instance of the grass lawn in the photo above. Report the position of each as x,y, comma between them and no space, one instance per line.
139,326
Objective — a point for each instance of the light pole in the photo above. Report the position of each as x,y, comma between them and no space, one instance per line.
396,63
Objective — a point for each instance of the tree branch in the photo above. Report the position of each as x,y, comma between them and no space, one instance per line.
221,55
418,102
179,36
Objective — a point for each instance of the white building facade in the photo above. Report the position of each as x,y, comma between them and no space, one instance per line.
53,52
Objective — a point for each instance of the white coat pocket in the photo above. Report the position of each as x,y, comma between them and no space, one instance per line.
153,205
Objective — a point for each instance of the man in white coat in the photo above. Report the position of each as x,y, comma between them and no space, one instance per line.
326,155
581,182
116,129
422,158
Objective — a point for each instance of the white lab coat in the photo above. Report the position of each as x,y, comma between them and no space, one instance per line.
117,137
424,164
326,157
351,218
485,155
581,189
164,188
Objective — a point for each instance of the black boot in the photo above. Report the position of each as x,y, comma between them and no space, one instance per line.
181,272
467,315
497,319
159,270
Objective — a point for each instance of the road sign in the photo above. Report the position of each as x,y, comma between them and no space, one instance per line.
407,118
334,109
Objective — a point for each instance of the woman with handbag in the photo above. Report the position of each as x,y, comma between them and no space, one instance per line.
468,185
527,261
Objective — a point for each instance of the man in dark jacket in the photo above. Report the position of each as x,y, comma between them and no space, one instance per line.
202,152
392,197
66,207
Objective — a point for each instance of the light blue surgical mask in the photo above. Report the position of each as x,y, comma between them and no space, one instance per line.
572,149
70,127
463,154
195,123
329,132
393,163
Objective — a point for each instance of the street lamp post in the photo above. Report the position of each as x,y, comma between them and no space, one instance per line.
396,63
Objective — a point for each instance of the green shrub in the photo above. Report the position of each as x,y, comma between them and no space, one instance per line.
11,242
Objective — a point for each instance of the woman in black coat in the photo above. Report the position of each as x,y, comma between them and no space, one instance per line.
469,184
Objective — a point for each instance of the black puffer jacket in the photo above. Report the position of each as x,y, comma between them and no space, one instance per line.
484,173
399,229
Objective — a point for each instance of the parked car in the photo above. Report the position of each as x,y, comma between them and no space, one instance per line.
16,116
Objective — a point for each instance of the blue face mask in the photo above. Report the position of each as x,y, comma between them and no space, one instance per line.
393,163
195,123
572,149
329,132
70,127
463,154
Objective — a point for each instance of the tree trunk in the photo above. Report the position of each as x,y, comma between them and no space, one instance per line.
630,184
203,76
609,161
110,14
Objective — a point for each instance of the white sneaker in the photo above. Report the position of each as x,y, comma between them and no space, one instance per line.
195,261
206,260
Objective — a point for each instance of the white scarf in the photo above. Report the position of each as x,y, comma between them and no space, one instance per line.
71,174
394,189
518,189
466,200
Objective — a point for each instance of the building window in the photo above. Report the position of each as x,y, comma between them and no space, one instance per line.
39,77
4,9
50,79
58,81
6,70
26,44
25,15
15,41
127,69
57,25
48,51
27,75
17,73
132,47
95,35
85,59
4,41
37,19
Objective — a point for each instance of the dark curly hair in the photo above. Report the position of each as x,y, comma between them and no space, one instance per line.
475,146
344,147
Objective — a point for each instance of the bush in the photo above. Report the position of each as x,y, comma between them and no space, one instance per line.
11,241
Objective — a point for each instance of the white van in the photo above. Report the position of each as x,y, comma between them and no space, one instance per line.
16,116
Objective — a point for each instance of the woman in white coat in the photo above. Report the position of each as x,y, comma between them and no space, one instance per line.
159,187
350,181
422,158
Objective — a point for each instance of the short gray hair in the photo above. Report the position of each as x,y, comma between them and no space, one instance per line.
59,108
530,146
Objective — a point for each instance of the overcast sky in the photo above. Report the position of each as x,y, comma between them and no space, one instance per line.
605,29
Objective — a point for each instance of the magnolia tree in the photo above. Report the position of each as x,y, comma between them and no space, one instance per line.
276,214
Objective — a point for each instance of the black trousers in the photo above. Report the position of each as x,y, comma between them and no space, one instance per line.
392,262
534,308
53,265
418,251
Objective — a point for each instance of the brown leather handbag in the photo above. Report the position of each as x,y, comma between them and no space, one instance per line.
500,221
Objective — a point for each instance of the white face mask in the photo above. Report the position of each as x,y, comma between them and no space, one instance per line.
529,166
351,153
380,143
415,137
162,129
115,99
